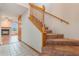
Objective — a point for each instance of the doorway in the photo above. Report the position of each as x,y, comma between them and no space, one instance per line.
9,32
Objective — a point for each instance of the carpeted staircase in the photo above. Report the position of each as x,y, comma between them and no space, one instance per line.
58,39
53,40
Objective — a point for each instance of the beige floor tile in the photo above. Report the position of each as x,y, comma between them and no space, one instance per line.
16,48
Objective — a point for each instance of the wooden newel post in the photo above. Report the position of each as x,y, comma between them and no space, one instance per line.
43,28
43,17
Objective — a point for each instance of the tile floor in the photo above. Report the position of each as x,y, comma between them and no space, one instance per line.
6,39
12,47
15,48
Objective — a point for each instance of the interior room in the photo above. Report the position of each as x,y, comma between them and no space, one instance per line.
39,29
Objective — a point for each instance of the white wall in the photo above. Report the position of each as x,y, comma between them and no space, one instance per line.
68,12
30,34
0,36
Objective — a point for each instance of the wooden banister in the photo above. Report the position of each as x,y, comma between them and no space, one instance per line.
36,22
40,8
46,12
39,25
57,17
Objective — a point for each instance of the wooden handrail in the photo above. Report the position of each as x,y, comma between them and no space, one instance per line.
57,17
36,22
39,25
40,8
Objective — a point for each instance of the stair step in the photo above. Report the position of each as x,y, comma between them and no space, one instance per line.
62,42
54,36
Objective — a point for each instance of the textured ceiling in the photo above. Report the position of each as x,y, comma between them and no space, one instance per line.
11,9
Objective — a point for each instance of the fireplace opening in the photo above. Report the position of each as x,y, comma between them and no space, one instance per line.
4,31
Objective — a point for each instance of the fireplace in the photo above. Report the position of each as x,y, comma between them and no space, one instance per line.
5,31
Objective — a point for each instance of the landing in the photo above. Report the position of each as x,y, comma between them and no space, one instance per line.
60,50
